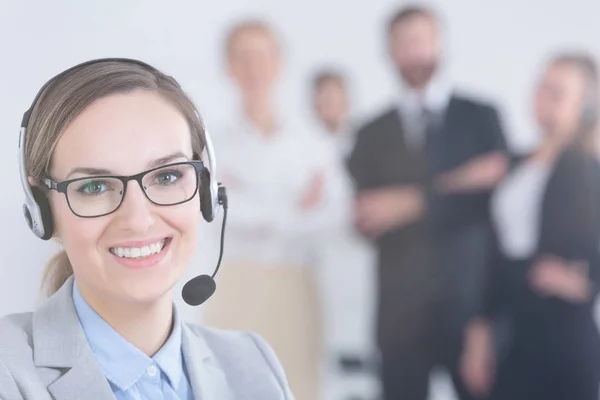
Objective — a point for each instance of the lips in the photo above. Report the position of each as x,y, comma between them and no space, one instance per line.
141,254
139,251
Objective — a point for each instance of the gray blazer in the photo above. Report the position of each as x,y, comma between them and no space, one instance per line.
44,355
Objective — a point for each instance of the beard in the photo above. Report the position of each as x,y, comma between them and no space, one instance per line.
418,75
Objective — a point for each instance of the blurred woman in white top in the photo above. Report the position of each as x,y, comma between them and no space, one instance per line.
545,277
279,205
346,270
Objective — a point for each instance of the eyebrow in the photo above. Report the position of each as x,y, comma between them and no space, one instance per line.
152,164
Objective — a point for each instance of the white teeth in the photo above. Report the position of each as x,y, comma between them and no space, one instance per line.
138,252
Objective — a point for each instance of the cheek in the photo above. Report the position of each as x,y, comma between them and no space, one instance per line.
71,228
546,107
185,219
273,67
80,236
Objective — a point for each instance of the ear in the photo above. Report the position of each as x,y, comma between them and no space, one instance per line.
32,181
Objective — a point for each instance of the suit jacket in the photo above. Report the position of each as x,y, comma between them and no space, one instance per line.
382,157
44,355
569,229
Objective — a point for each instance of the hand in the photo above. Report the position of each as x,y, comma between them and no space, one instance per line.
478,361
381,210
482,173
553,276
314,194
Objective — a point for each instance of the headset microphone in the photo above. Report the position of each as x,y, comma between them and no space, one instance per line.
199,289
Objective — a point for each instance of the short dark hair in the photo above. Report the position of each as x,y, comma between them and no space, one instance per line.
409,12
328,75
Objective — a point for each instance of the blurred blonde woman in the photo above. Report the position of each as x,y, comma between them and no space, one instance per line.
279,206
547,270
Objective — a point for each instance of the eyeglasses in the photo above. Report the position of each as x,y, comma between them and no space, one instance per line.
98,196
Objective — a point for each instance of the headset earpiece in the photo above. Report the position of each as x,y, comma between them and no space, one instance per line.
589,110
40,198
589,115
206,197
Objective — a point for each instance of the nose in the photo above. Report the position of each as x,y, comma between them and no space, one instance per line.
135,213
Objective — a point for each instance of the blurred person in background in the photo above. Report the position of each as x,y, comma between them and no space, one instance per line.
547,270
425,170
331,104
277,194
345,266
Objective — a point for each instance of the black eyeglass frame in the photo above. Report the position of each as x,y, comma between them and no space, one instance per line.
61,187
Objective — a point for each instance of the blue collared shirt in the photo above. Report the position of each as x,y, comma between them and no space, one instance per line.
131,374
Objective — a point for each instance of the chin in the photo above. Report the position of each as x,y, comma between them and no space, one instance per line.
143,281
256,92
150,290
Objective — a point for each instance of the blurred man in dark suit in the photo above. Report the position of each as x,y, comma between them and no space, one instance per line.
424,171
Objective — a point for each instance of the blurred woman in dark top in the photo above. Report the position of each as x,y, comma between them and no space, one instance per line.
547,268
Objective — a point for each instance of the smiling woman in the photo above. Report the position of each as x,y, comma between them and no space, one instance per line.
111,167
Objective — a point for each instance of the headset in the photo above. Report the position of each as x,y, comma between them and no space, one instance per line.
212,194
589,113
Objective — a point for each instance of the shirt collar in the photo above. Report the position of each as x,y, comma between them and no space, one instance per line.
169,358
435,97
121,362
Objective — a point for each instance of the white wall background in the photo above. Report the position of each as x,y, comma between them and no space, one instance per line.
495,48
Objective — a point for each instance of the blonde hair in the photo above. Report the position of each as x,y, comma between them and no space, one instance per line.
66,97
587,66
251,25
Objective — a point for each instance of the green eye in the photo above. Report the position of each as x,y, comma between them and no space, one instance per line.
168,177
93,188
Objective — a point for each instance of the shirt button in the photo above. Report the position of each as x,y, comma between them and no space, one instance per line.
152,371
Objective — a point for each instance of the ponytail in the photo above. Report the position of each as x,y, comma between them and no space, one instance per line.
56,273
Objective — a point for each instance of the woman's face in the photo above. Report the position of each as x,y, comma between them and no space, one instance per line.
254,63
559,100
125,134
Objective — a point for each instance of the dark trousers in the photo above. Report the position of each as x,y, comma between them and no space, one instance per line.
550,374
428,292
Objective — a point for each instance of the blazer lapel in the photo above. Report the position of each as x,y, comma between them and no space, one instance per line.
207,379
60,343
84,380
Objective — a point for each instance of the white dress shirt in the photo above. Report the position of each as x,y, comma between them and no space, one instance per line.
266,176
516,209
516,212
412,104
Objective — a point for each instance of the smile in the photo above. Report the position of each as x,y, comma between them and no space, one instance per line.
140,252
